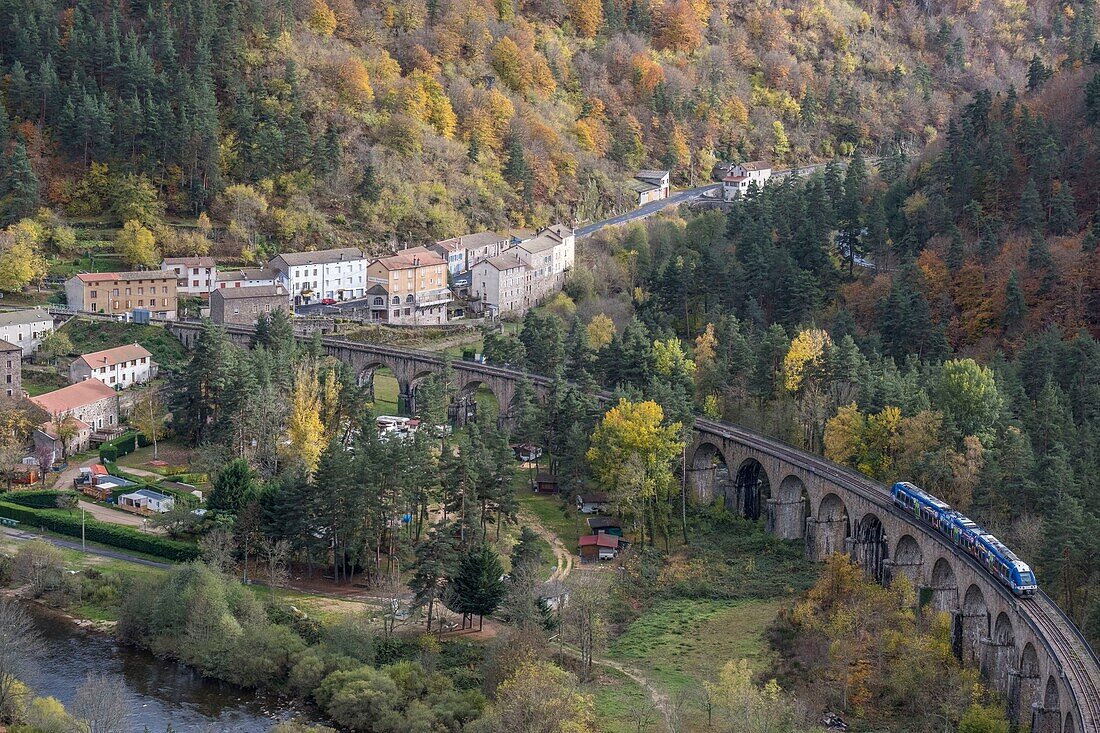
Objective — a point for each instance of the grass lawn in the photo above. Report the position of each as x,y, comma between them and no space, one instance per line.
23,300
620,701
88,335
386,391
171,451
680,643
567,524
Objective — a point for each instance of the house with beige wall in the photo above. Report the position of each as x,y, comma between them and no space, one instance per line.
415,283
120,293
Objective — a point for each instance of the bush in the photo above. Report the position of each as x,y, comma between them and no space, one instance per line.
37,499
113,535
108,453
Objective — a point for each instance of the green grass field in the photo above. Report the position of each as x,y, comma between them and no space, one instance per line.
620,702
566,523
679,643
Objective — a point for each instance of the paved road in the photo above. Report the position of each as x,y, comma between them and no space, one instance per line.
21,536
649,209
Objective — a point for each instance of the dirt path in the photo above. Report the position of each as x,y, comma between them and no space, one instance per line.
562,555
65,479
660,699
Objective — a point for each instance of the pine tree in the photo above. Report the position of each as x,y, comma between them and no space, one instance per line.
1063,210
435,562
18,186
1015,307
1037,73
1030,215
478,586
369,188
1092,100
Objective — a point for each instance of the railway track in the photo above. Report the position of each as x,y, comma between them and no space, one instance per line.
1073,652
1080,666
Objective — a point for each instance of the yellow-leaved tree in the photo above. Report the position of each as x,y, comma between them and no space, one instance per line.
21,262
305,431
632,456
586,16
137,245
600,331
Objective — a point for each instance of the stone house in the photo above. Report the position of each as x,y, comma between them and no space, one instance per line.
93,407
11,369
243,306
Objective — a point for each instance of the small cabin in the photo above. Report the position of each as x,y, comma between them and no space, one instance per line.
527,452
545,483
598,547
605,525
593,503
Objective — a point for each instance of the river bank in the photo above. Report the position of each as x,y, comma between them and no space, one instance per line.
160,693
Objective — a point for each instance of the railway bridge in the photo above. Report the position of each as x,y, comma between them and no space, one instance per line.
1027,649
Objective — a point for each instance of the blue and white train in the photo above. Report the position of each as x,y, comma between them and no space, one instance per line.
1000,561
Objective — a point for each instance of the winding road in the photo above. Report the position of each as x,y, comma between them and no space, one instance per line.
649,209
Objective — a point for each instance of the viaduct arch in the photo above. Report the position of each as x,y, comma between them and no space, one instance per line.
1027,648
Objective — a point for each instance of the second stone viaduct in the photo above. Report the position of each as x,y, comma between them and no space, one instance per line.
1025,648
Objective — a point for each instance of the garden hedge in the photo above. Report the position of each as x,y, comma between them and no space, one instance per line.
113,535
36,499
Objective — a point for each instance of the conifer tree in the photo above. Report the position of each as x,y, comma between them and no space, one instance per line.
478,586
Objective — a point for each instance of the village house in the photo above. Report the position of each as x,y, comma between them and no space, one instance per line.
11,369
120,367
25,328
462,253
243,306
93,407
194,275
246,277
500,285
650,186
120,293
596,547
741,176
146,501
330,274
413,284
593,503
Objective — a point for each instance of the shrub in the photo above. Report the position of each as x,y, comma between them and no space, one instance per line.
124,538
37,499
108,453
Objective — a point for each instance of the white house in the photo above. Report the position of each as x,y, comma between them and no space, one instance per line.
247,277
331,274
593,503
25,328
741,176
146,501
194,275
120,367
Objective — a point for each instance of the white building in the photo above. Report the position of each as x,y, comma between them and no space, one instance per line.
246,277
194,275
741,176
650,186
146,501
25,328
121,367
331,274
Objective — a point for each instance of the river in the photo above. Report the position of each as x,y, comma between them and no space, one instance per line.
160,693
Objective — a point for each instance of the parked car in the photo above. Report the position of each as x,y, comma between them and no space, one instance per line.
328,301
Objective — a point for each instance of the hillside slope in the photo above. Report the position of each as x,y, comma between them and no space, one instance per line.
406,120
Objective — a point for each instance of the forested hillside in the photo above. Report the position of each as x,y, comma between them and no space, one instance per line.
966,362
304,122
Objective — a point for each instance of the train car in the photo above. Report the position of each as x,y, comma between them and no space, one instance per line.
968,536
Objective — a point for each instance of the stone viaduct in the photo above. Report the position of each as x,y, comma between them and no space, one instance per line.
1027,649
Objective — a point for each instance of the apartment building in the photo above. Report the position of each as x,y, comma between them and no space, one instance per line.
525,274
414,284
120,293
194,275
121,367
331,274
25,328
